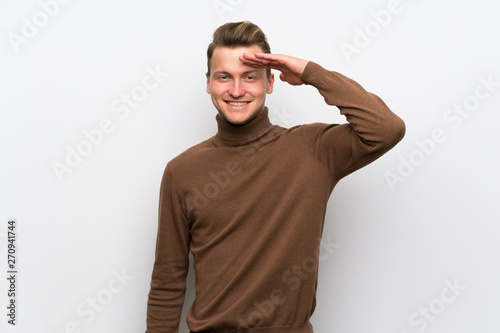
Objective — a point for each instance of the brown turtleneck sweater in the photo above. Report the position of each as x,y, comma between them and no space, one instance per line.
249,203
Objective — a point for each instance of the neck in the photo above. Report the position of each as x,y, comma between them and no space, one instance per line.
237,135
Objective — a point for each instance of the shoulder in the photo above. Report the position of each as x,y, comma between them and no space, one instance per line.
191,155
312,129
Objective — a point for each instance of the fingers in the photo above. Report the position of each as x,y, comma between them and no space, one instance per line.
276,61
261,60
266,56
253,61
259,56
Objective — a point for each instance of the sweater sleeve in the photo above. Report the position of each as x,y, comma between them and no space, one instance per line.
168,280
371,131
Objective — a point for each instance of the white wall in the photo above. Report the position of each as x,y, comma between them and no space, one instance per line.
405,228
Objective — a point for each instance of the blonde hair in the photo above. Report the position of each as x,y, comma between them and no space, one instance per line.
237,34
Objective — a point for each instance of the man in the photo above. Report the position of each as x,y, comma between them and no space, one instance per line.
250,202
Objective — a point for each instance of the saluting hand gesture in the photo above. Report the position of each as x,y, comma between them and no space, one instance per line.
291,68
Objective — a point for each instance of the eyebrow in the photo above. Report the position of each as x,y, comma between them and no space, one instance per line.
252,71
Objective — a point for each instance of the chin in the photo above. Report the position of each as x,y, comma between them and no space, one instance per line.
238,120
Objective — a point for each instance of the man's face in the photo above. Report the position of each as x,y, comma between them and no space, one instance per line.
238,91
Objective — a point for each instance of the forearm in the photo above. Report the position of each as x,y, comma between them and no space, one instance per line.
165,302
375,124
168,280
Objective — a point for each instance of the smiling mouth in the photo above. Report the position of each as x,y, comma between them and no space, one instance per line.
237,103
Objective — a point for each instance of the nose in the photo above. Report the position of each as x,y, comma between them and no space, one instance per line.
236,89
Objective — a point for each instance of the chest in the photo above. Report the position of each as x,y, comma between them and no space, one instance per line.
236,189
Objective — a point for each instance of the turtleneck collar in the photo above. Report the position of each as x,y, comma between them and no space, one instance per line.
239,135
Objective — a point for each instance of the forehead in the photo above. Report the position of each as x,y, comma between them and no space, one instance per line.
227,59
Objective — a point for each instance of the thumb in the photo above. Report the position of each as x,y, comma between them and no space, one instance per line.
282,77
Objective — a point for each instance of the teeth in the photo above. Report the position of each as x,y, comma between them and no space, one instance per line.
238,103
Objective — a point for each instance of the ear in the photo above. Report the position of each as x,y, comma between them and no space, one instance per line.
208,83
270,84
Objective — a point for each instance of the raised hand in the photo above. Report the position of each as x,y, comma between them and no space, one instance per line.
291,68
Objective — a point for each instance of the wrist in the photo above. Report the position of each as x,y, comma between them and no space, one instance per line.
311,72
